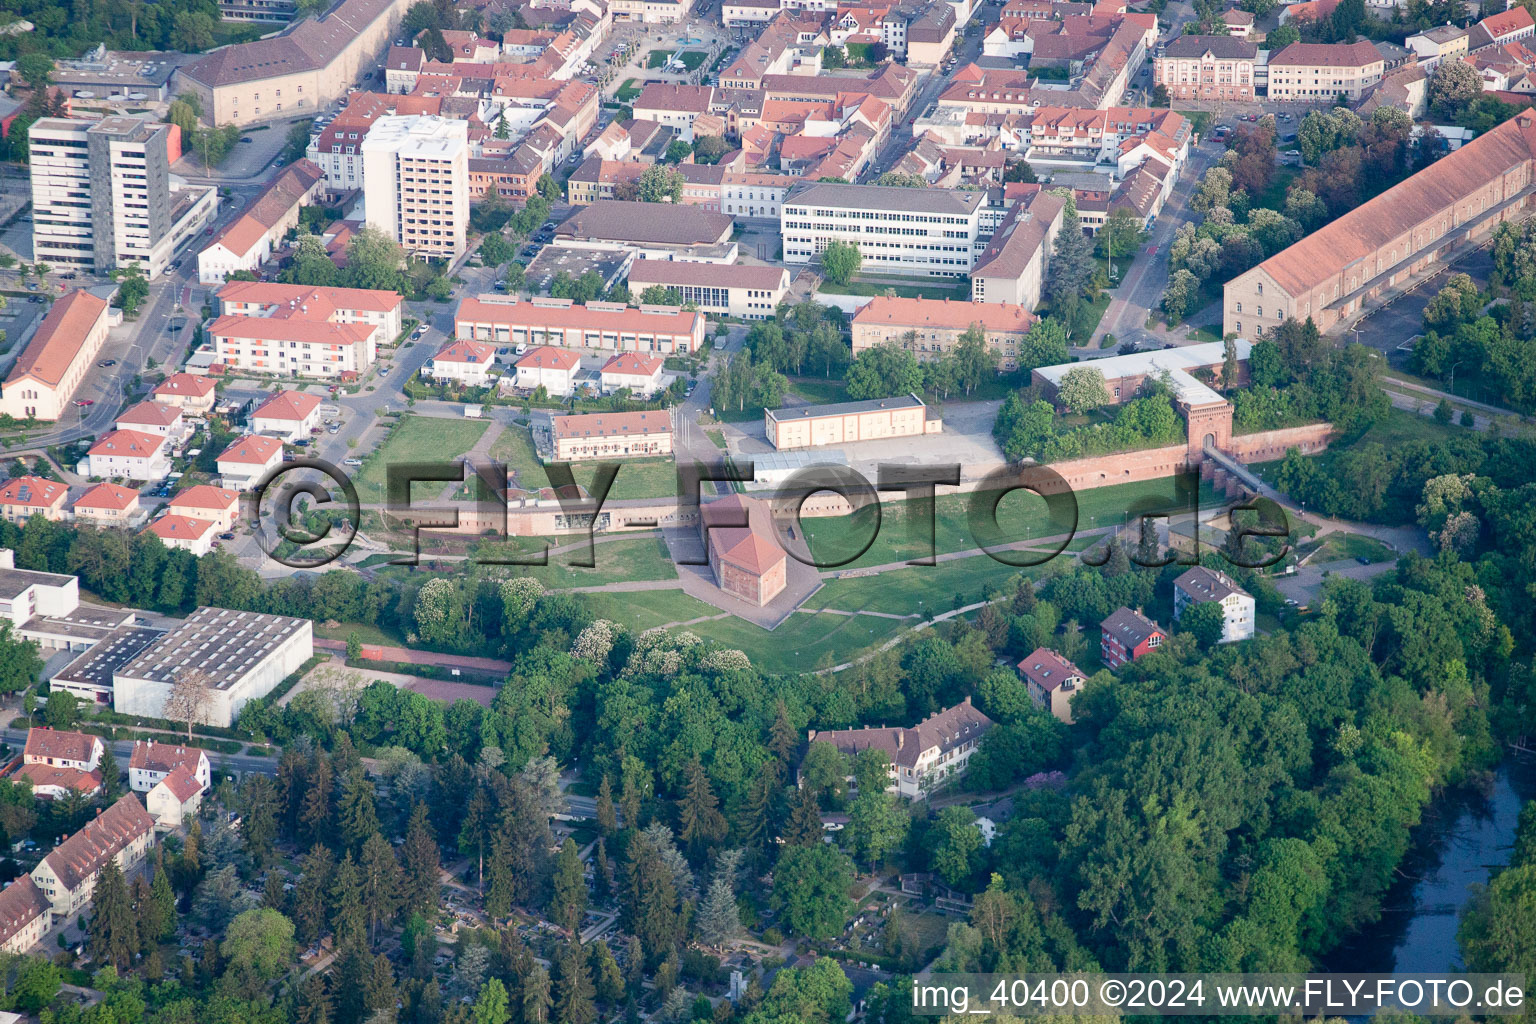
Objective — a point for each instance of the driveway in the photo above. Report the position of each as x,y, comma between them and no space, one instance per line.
1390,327
1305,586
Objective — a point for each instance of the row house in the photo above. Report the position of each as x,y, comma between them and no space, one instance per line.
613,326
67,877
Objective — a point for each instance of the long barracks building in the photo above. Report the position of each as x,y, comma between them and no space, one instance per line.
1378,246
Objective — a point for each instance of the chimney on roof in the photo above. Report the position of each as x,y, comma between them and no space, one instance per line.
901,739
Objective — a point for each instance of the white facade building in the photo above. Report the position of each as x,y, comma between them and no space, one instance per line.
129,455
416,182
932,232
1201,585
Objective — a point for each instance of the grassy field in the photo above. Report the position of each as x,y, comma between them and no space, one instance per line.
643,611
658,58
638,478
627,92
618,561
937,288
923,590
694,59
803,643
1337,546
514,447
417,439
1020,516
811,390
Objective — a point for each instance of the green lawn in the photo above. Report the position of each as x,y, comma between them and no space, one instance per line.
1399,425
1274,196
417,439
618,561
638,478
1020,515
627,92
1337,546
804,642
658,58
514,447
368,634
642,611
694,59
910,288
1197,118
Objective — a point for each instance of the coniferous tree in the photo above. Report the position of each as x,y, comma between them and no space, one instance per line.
357,817
382,881
754,825
602,874
607,817
804,827
718,919
421,862
700,823
111,777
113,930
475,834
190,866
607,979
535,996
568,888
783,740
312,1003
315,809
573,988
348,918
379,985
258,827
162,909
629,800
310,892
291,790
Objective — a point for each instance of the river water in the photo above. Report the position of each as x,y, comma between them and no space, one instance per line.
1464,835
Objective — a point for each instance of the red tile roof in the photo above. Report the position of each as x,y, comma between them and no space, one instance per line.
547,358
206,496
895,311
186,384
252,450
1048,670
41,775
611,424
1328,55
751,547
107,496
272,293
59,744
129,443
59,339
288,405
21,903
635,364
182,784
162,757
467,352
150,414
82,855
174,527
32,492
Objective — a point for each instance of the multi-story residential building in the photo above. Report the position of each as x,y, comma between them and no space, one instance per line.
219,505
102,197
108,505
153,418
22,497
1207,68
874,419
636,372
897,230
464,361
675,106
607,435
192,393
553,369
151,762
1317,72
44,377
67,877
416,182
305,67
173,798
297,330
1444,42
934,751
748,291
753,196
248,459
1201,586
928,328
58,762
1126,636
1011,269
289,415
1509,26
24,916
1380,245
1052,681
250,239
129,455
651,12
184,533
507,323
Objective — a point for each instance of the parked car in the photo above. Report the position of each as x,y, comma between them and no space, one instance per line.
83,402
107,362
226,536
351,462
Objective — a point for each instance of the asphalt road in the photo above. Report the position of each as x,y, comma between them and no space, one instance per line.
1391,327
123,749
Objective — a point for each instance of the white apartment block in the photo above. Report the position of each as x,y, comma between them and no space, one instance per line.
1201,585
933,232
283,329
103,197
416,182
